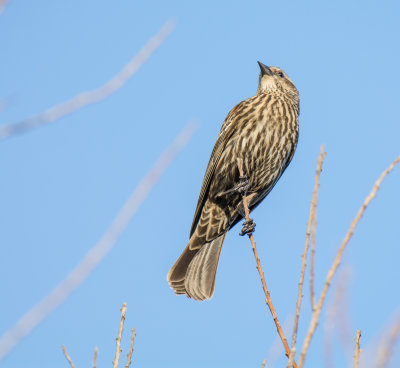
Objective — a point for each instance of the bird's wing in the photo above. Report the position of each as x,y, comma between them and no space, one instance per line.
226,131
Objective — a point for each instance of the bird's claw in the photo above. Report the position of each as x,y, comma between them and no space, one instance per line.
248,228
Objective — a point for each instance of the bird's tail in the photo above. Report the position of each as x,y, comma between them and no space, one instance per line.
194,272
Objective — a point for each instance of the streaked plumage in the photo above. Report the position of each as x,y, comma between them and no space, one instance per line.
263,132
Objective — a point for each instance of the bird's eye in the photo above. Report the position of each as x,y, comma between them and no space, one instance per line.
281,74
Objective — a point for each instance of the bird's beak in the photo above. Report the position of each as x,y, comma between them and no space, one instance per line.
264,69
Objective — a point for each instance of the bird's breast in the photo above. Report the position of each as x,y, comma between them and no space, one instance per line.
266,142
265,137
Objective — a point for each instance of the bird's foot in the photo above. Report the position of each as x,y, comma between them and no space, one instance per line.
242,187
248,228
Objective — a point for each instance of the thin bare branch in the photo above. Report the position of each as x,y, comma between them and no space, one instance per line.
357,353
275,348
312,259
118,339
91,97
68,357
261,272
336,262
129,355
96,351
311,219
387,345
38,313
313,212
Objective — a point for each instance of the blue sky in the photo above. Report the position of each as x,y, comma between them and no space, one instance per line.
62,184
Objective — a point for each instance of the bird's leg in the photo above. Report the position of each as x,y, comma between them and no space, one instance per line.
248,226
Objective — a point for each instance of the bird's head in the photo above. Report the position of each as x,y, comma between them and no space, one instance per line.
275,80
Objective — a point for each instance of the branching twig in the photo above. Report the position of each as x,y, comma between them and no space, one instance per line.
261,272
118,339
96,351
336,262
129,355
38,313
357,353
91,97
311,218
68,357
386,347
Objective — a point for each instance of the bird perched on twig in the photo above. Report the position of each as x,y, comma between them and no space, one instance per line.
262,131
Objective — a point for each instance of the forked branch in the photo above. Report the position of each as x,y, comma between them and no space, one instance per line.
336,262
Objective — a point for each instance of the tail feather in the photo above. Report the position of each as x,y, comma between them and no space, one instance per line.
194,272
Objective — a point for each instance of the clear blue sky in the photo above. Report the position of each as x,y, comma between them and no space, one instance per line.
61,185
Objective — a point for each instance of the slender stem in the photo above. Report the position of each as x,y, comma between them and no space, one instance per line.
313,214
129,355
118,339
311,219
357,353
68,357
96,351
261,272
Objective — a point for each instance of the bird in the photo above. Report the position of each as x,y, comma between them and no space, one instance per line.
263,132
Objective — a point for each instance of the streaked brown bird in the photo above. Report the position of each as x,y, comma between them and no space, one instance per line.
262,131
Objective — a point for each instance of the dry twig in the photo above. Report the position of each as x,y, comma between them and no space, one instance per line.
91,97
275,348
68,357
313,213
96,351
387,345
118,339
357,353
261,272
129,355
311,219
38,313
336,262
